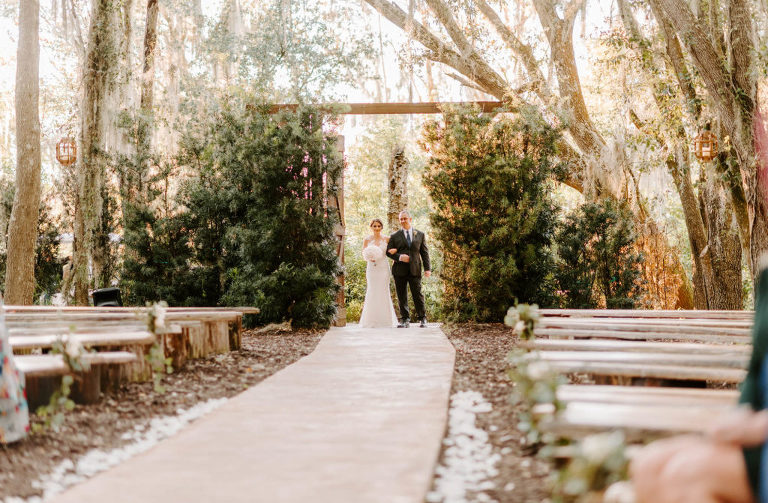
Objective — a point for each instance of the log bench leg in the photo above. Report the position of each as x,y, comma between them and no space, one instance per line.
235,333
40,389
175,347
87,386
85,390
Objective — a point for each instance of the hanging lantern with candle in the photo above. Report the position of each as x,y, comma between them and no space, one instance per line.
66,151
705,145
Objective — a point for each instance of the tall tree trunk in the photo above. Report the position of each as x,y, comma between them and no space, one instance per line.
703,274
704,222
723,239
22,229
397,174
99,74
597,167
730,82
133,183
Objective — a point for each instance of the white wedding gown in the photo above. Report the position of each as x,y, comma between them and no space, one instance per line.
378,311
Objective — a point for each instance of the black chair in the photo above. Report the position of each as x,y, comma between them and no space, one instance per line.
107,297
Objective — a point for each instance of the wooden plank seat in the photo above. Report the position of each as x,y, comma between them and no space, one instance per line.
701,326
650,346
650,371
190,333
206,330
641,335
642,413
89,339
635,346
642,313
43,373
715,361
119,309
50,364
646,395
639,422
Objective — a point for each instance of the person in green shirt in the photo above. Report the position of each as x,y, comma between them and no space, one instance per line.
728,464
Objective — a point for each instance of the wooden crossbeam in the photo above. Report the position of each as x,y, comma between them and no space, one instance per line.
428,107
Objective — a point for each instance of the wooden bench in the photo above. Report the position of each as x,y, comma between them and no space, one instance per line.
647,346
205,331
649,314
122,339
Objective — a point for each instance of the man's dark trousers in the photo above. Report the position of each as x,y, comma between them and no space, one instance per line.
401,285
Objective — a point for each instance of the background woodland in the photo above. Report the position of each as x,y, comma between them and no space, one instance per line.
624,87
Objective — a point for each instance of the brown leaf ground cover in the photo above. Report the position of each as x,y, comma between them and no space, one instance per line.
102,426
481,366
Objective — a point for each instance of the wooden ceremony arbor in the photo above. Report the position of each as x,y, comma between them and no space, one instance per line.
428,107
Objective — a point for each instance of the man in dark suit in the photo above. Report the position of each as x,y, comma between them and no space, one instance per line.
408,248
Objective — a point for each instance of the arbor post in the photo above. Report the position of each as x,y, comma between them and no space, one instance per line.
337,203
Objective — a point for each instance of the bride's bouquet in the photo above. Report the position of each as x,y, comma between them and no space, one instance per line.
372,253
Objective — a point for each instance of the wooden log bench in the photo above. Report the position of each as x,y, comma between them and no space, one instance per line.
201,332
636,346
648,333
639,422
646,346
190,333
649,314
43,373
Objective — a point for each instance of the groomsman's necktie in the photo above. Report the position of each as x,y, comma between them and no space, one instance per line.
408,237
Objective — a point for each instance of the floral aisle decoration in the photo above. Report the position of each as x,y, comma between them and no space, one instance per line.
156,357
598,464
52,414
523,318
535,392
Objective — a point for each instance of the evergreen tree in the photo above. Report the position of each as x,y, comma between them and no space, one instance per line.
47,265
597,261
489,177
279,171
254,226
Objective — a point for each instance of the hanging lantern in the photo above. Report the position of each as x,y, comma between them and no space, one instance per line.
705,145
66,151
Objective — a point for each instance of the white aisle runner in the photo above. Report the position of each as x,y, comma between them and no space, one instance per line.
359,420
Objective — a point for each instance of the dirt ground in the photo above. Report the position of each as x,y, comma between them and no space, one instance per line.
102,425
481,366
481,351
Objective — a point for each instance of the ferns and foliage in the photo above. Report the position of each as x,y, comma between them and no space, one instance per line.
47,265
598,264
490,177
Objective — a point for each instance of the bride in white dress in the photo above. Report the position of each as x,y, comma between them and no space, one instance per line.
378,311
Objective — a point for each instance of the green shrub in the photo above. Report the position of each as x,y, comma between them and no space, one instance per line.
253,226
597,264
48,267
489,177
